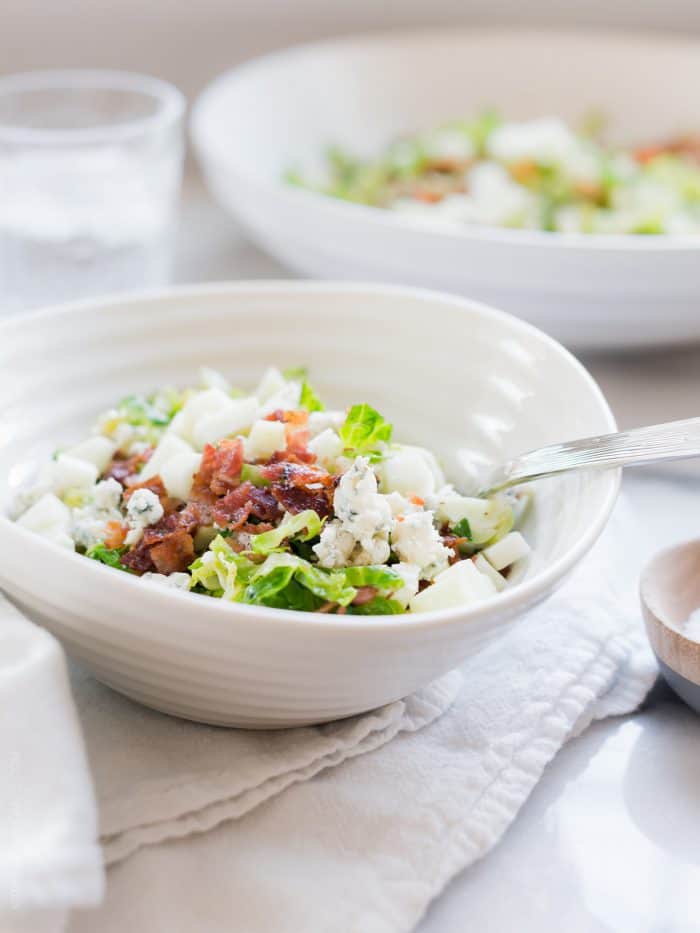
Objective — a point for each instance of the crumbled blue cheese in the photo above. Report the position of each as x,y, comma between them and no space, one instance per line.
360,533
400,505
89,521
143,509
415,540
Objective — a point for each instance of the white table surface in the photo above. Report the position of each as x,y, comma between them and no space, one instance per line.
610,838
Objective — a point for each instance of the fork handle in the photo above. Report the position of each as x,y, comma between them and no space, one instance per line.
675,440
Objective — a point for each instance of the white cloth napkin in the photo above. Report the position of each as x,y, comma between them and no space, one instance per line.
161,778
364,846
49,857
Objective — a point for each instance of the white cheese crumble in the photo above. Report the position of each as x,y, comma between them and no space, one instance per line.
143,509
89,521
400,505
416,540
359,535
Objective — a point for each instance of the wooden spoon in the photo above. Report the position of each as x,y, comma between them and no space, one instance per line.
670,593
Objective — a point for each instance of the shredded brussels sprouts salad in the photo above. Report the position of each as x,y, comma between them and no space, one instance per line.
538,175
271,499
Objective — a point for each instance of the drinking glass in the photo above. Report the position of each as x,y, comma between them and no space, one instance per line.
90,172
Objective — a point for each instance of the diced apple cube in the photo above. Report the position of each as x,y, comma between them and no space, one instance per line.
408,473
70,472
178,472
507,551
97,450
272,381
236,416
47,514
265,438
483,566
286,399
197,408
327,446
320,420
169,447
460,585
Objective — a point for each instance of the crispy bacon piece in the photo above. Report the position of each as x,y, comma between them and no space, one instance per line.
238,505
174,553
298,486
297,499
296,416
126,469
202,479
219,471
295,474
227,463
197,513
166,547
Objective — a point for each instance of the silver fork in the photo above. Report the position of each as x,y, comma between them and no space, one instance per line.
676,440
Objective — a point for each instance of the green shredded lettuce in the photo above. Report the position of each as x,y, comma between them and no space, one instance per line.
110,556
364,430
220,571
377,575
463,529
304,526
278,582
309,400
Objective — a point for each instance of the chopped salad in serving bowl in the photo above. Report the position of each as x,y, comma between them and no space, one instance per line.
537,175
270,499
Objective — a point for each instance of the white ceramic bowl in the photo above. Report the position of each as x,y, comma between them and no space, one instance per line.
255,122
451,374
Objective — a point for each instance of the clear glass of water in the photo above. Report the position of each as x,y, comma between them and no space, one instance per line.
90,173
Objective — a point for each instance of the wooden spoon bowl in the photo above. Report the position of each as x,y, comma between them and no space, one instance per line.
670,593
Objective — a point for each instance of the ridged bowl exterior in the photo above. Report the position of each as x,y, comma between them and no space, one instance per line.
451,374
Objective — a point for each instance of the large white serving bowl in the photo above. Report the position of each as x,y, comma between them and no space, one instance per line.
452,375
283,110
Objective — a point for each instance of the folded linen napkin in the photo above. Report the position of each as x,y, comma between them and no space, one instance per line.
365,846
162,778
49,857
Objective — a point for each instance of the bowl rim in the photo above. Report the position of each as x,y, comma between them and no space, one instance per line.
204,141
522,596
